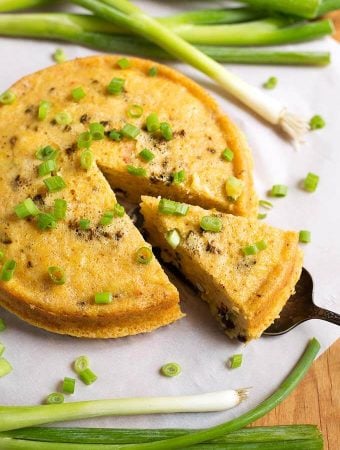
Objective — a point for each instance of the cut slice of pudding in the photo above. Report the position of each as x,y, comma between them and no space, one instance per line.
246,270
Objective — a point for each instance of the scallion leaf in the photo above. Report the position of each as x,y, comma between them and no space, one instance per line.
106,218
130,131
116,86
261,216
7,98
47,167
136,171
78,94
46,153
118,210
46,221
166,206
44,107
115,135
81,363
146,155
178,177
266,204
84,224
60,208
26,208
57,275
55,183
97,131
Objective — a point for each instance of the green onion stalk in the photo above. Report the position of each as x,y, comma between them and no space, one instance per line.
93,32
12,5
327,6
301,8
23,416
123,13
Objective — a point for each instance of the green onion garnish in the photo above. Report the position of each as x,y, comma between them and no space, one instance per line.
47,167
26,208
261,245
305,236
7,98
254,248
97,131
81,363
86,159
130,131
60,208
106,218
137,171
115,135
234,187
57,275
166,131
135,111
116,86
171,370
124,63
2,349
56,398
211,223
153,71
43,109
84,224
152,123
69,385
144,255
270,83
103,298
261,216
266,204
87,376
5,367
146,155
84,140
55,184
2,325
228,154
317,122
118,210
45,221
78,93
310,183
8,270
63,118
279,190
170,207
45,153
179,177
173,238
59,56
235,361
2,254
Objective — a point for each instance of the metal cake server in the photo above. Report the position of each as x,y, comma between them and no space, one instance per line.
300,307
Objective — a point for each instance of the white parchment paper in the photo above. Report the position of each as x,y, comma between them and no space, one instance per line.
129,366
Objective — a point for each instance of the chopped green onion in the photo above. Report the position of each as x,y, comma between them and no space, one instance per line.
84,224
2,325
118,210
135,111
317,122
8,270
152,123
84,140
26,208
235,361
234,187
55,184
130,131
43,109
97,131
56,398
311,182
57,275
250,250
144,255
7,98
106,218
173,238
146,155
86,159
211,223
81,363
171,370
2,254
124,63
261,245
261,216
45,221
78,94
63,118
103,298
69,385
179,177
47,167
116,86
305,236
153,71
270,83
87,376
170,207
5,367
228,154
2,349
279,190
60,208
115,135
266,204
166,131
46,153
137,171
59,56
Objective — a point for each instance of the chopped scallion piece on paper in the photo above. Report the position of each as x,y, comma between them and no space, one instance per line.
81,363
310,183
305,236
59,56
171,369
271,83
56,398
7,98
317,122
69,385
87,376
279,190
235,361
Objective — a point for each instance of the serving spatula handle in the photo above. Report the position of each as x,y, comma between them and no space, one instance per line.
325,314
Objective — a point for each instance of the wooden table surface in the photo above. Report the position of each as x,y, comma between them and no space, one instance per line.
317,399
